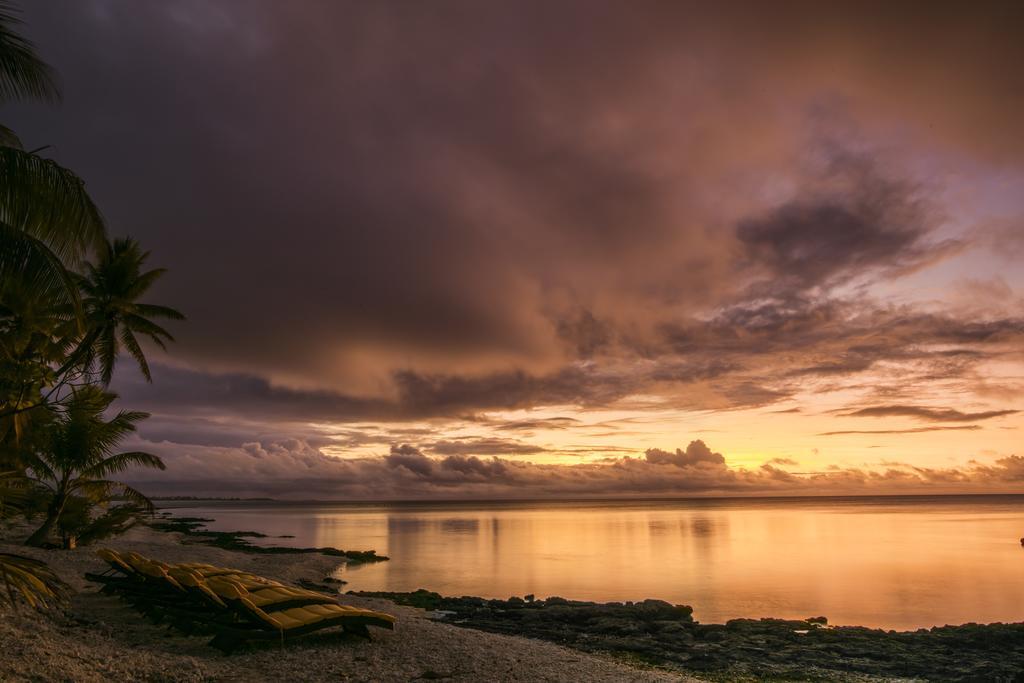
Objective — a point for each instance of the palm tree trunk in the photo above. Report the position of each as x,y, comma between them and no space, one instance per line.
40,536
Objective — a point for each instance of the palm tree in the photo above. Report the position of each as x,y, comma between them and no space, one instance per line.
48,223
41,330
113,315
47,219
77,460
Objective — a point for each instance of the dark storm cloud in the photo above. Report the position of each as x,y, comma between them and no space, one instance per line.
860,224
734,362
925,413
177,389
320,186
234,431
199,393
394,211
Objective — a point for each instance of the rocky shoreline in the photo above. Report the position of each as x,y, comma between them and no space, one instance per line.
664,635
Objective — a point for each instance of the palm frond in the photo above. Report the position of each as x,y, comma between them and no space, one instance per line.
30,579
44,471
132,345
27,261
105,488
131,417
121,462
154,332
143,281
116,521
15,492
8,138
23,75
154,311
48,201
106,353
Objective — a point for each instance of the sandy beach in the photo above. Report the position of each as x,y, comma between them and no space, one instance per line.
100,638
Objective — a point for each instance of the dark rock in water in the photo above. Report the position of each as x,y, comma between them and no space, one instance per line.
656,632
194,527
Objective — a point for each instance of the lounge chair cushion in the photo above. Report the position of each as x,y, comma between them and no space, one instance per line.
194,582
298,617
114,559
263,596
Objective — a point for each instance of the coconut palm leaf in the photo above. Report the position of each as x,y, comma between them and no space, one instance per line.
150,329
23,75
49,202
45,473
154,311
8,138
15,491
26,260
131,344
30,579
102,489
121,462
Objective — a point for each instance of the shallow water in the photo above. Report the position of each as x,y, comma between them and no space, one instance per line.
889,562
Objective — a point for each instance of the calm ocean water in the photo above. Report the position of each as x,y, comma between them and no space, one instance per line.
891,562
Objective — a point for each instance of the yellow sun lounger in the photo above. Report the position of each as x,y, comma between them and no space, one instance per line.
238,606
267,624
265,596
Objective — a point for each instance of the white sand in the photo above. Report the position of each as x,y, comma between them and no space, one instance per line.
100,638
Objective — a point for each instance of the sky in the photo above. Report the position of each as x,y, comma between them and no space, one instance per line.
544,249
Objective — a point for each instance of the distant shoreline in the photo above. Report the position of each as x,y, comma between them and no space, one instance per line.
910,497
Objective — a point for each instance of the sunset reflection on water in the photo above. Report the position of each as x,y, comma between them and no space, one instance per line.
891,563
